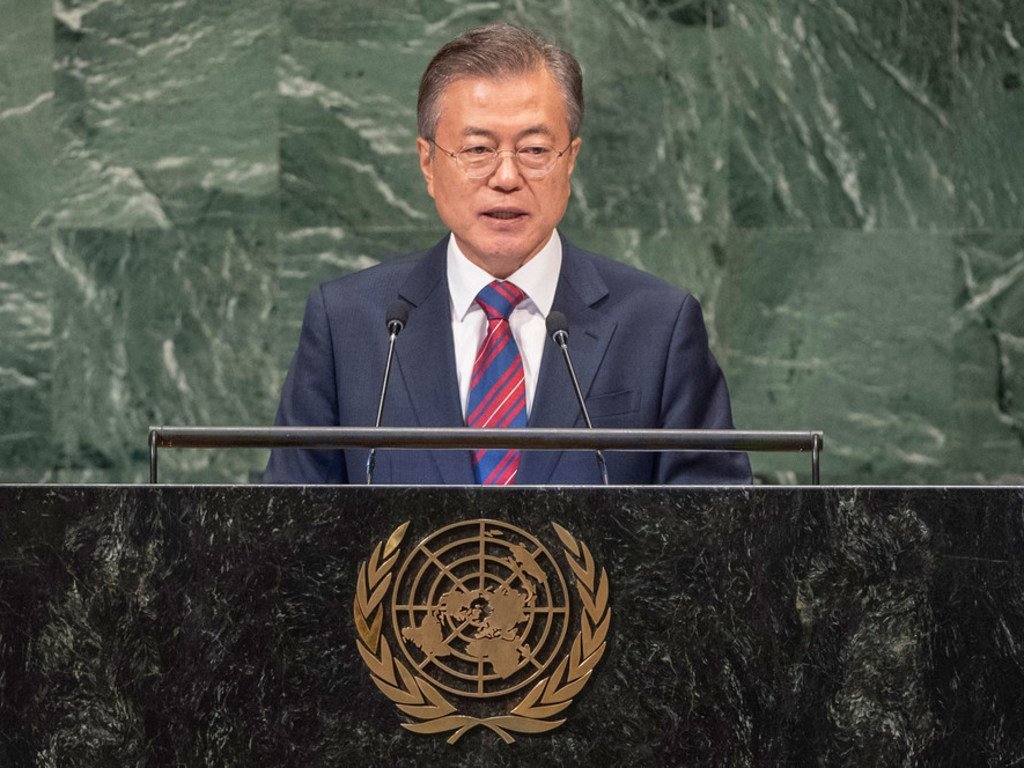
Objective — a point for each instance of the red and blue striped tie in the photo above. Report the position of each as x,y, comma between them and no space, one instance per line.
497,391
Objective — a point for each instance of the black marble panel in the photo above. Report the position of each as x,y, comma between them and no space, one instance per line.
751,627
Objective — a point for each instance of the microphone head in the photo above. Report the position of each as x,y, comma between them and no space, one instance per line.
557,325
397,316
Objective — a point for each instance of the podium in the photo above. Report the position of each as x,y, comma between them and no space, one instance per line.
168,625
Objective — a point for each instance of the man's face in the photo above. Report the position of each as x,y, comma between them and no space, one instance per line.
503,220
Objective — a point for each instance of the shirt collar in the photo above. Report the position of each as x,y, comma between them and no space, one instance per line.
537,278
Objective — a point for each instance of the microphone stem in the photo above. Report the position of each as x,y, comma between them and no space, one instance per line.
387,375
371,459
575,383
583,404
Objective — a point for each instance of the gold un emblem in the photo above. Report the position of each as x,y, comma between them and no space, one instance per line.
480,611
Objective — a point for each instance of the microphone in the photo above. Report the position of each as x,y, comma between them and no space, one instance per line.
394,319
558,330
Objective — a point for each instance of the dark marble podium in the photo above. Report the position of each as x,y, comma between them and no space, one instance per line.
767,626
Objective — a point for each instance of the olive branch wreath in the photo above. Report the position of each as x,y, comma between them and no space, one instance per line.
418,698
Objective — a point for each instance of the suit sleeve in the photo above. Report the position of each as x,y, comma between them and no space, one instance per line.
695,396
309,398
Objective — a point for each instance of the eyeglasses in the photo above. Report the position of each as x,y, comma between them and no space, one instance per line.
535,161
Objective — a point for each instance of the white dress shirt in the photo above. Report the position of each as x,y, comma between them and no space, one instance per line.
537,278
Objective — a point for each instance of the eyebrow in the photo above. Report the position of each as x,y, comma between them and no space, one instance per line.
533,130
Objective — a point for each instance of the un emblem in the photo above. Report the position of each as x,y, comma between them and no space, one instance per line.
480,611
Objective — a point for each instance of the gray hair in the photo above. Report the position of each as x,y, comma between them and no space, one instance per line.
496,51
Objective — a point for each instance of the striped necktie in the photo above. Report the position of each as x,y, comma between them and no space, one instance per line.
497,391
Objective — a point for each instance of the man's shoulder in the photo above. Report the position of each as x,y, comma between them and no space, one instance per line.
624,281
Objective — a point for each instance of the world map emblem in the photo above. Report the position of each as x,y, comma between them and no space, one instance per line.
486,608
479,614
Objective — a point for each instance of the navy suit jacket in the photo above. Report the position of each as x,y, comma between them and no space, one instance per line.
639,346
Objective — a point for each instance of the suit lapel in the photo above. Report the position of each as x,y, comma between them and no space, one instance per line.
590,331
426,359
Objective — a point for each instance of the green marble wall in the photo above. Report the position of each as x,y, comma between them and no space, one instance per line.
839,181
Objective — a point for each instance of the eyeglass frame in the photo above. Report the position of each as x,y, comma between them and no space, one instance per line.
497,161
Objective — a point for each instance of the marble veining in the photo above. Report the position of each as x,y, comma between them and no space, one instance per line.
838,183
754,627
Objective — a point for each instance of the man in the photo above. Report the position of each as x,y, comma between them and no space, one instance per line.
499,115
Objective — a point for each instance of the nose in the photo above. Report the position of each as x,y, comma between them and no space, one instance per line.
506,175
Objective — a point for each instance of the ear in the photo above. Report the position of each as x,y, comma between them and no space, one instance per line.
426,163
573,151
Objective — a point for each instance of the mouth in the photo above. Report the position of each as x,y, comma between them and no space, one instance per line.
505,214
